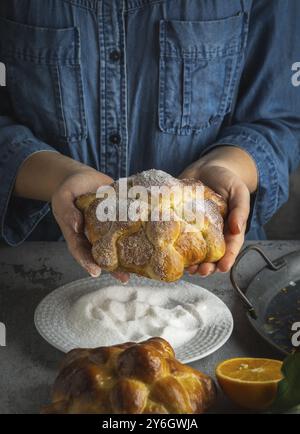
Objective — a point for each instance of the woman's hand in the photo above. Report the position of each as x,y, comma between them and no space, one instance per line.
232,173
70,219
52,177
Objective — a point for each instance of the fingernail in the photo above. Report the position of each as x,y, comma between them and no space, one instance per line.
209,272
123,279
240,226
76,228
95,272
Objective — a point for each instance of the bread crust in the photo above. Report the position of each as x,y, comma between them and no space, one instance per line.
132,378
160,249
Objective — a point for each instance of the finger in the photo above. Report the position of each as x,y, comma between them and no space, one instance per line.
74,217
192,269
206,268
70,220
79,247
187,173
122,276
77,221
67,213
239,209
234,244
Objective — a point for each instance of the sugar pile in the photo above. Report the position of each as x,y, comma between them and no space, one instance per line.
119,314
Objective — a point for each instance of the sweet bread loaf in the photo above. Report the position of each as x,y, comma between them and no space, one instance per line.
130,379
159,248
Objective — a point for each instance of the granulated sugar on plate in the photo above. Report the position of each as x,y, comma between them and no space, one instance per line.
118,314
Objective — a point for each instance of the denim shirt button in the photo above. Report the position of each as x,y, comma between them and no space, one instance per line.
115,139
115,55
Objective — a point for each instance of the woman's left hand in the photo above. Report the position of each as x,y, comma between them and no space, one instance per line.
232,173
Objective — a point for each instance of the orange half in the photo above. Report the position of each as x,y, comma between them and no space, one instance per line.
250,383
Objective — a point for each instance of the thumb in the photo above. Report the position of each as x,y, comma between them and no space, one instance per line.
239,209
76,220
189,172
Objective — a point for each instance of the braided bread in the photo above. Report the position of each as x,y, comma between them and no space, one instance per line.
159,249
130,379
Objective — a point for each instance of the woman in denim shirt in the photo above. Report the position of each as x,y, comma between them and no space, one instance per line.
100,89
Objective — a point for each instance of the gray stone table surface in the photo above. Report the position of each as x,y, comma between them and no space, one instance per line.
28,364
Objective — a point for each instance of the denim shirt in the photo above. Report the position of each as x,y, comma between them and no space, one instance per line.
128,85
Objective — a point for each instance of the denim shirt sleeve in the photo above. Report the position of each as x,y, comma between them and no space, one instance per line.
266,119
18,217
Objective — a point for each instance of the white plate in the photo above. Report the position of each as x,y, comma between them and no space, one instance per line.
52,313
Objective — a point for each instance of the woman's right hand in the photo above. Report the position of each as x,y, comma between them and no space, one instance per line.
70,219
52,177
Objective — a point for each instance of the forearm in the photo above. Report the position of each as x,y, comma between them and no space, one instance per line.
43,172
236,160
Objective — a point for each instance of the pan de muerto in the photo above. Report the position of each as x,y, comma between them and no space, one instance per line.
187,227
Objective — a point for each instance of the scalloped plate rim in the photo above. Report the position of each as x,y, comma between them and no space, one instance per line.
221,342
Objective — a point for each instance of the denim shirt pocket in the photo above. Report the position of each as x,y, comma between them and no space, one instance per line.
198,71
44,80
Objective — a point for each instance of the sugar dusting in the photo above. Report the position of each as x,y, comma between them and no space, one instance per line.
119,314
154,178
135,249
145,241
